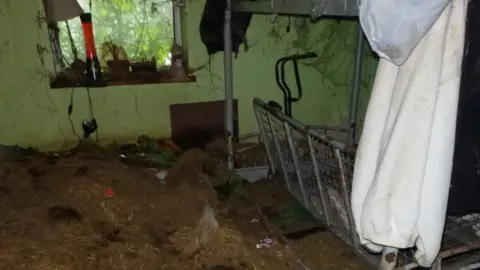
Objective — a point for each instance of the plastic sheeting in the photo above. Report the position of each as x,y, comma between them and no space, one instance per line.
394,28
404,159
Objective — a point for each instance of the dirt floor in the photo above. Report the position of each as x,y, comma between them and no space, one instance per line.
91,209
320,250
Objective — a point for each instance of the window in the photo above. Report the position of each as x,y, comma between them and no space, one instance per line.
143,28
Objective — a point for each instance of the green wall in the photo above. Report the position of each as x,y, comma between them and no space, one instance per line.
35,115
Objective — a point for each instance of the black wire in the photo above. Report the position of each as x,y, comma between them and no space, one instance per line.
72,42
92,115
70,110
90,103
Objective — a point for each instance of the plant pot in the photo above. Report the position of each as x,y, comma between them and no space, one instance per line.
118,69
144,67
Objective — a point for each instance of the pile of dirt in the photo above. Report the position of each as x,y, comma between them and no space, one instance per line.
92,211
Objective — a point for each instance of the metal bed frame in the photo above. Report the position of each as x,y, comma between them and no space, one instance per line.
318,171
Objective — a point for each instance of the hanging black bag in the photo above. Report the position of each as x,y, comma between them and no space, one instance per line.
212,23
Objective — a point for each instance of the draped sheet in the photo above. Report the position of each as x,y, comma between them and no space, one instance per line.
404,160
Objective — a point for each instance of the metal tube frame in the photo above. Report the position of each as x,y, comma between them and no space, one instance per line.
280,153
356,87
296,163
177,22
320,187
264,139
228,74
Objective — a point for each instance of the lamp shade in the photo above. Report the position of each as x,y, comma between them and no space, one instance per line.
62,10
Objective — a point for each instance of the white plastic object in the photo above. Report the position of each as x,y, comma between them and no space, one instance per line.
394,28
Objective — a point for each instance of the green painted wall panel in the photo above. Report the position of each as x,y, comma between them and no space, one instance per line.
35,115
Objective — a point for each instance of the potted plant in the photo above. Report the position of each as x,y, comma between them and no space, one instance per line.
117,63
144,65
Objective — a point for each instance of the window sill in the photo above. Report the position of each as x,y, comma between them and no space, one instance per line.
131,78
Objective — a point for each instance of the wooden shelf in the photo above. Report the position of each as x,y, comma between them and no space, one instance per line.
130,79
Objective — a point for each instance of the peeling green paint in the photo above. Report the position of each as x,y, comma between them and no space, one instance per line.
35,115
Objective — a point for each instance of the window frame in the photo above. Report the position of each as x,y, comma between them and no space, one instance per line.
179,38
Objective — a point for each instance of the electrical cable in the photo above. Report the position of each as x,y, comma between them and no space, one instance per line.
93,122
70,110
89,126
70,37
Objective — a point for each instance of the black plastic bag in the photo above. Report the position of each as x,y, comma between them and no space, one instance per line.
212,23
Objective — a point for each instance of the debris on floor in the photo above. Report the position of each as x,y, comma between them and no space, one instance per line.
106,208
141,206
316,248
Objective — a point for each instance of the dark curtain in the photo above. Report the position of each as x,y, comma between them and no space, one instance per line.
464,194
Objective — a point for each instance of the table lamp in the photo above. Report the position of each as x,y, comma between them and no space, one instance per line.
62,10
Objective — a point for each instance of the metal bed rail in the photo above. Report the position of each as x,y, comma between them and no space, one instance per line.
318,172
314,167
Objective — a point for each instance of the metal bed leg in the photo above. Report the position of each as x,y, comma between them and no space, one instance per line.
356,87
228,73
296,163
263,135
280,152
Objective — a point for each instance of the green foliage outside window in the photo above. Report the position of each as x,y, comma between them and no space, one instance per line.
144,28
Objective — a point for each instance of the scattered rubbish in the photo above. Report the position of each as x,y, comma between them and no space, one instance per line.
162,175
253,174
105,215
266,242
149,144
161,158
150,152
109,193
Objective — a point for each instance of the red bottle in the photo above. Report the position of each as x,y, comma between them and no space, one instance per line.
94,74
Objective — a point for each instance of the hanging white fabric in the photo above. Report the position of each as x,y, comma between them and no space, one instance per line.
404,159
395,27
